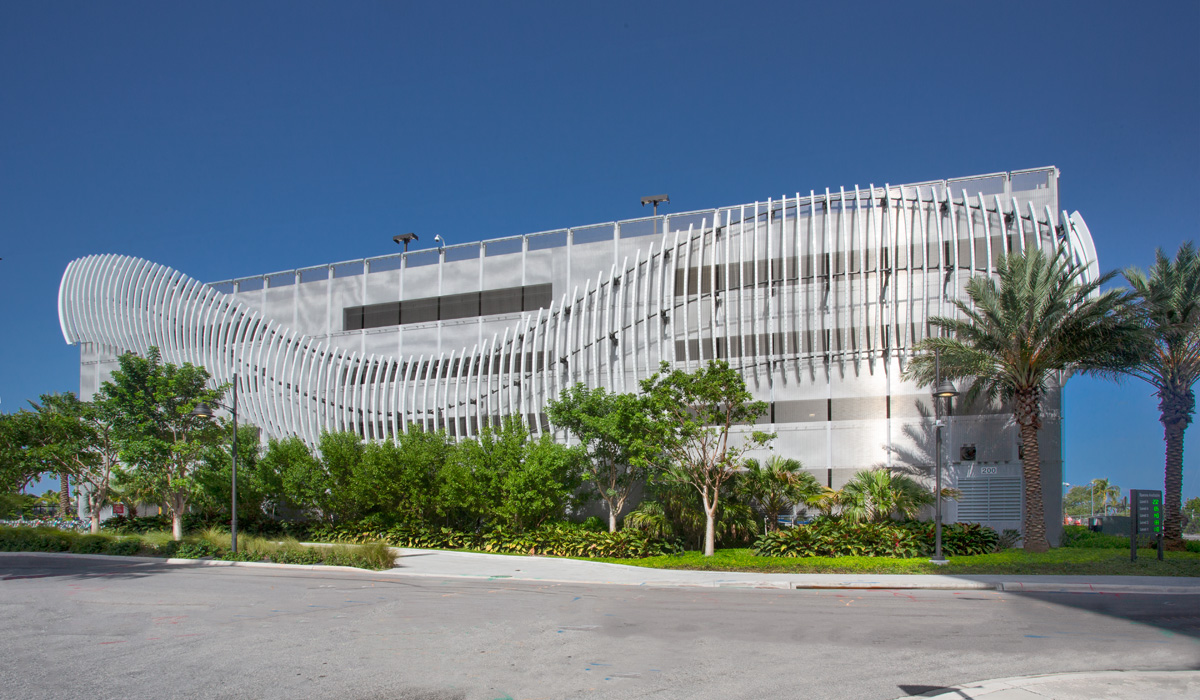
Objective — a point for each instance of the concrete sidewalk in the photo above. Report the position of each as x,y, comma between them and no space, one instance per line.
471,565
1112,685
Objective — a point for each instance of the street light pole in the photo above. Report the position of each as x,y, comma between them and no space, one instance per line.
942,390
233,477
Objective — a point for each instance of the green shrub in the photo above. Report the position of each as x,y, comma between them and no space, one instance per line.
1008,540
594,524
123,547
29,539
958,539
833,537
196,550
1080,536
90,544
123,525
552,540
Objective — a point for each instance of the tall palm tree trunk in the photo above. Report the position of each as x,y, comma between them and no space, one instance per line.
1028,415
1175,409
64,495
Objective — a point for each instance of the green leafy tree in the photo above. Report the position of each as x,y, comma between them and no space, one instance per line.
77,437
293,466
404,475
1168,303
777,485
335,483
541,488
1191,514
1108,495
1019,334
504,478
150,404
699,411
876,495
1079,501
617,436
39,450
257,486
19,464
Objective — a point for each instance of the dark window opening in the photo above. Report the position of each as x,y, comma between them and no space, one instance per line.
447,308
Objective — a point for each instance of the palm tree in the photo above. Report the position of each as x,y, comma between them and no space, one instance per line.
1021,333
1168,302
875,495
1104,493
777,485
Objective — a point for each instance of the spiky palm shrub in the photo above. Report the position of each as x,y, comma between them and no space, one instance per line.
1021,331
1168,304
777,485
876,495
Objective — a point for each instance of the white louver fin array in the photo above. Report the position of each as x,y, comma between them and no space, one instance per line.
843,276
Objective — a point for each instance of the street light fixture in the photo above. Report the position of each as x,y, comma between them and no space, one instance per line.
656,199
945,390
405,238
203,410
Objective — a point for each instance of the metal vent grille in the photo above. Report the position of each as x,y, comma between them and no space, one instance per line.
989,499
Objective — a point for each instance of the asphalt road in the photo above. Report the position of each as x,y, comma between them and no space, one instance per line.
103,629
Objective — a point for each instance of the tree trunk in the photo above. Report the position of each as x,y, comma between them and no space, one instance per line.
1028,416
612,518
96,521
177,526
64,495
710,530
1175,414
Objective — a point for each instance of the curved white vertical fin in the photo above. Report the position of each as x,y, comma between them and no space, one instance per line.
636,317
685,307
755,304
605,351
1037,229
953,217
559,356
768,291
1018,228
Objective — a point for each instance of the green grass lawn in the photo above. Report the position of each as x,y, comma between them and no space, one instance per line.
1062,561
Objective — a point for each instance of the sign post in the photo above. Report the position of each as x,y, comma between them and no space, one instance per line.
1146,518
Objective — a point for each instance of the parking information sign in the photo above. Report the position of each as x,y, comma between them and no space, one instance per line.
1146,520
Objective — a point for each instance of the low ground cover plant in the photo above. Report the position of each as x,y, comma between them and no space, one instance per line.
1060,561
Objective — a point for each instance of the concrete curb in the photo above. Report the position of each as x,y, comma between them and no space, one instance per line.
1037,587
1083,684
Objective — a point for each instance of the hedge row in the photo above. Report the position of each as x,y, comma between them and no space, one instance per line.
45,539
26,539
192,522
833,537
1080,536
555,540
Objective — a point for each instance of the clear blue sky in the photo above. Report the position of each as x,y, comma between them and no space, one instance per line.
228,139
